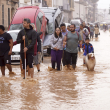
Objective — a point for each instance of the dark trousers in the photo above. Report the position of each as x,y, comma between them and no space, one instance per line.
56,58
29,60
71,57
64,58
96,35
91,35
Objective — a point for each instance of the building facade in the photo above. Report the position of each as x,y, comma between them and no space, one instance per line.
23,3
81,10
7,9
86,10
104,15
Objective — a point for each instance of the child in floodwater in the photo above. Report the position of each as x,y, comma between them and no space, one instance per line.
88,48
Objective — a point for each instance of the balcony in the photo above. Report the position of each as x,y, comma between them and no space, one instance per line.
13,1
83,2
66,7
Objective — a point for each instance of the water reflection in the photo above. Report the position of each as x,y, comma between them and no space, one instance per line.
65,90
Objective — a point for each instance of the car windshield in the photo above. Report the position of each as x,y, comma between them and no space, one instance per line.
16,27
14,35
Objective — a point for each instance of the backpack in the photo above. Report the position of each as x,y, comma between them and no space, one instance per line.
90,45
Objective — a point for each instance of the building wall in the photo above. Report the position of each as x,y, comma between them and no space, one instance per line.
83,11
12,9
22,3
105,14
49,3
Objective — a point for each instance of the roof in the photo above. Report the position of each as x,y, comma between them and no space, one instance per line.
13,31
25,12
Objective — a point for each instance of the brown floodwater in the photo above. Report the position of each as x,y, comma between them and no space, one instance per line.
65,90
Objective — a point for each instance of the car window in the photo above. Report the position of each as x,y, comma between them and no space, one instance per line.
14,35
16,27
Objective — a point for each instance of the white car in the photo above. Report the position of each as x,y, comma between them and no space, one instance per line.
16,49
67,24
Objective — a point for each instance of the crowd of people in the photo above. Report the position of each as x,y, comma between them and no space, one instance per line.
31,50
65,43
64,46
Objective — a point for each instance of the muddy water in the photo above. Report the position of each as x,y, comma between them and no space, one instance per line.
65,90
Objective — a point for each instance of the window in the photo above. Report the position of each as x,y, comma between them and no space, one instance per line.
2,14
8,16
39,21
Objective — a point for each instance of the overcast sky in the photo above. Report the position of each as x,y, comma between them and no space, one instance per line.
103,4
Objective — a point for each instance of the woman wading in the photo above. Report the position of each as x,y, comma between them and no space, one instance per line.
56,48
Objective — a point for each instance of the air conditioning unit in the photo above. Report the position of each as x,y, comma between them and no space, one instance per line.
26,1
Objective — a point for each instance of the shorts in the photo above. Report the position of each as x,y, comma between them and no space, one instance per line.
6,59
29,60
37,59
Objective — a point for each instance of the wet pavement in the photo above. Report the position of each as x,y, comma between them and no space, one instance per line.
65,90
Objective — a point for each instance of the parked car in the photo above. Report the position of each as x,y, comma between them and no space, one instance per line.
37,17
67,24
16,49
54,19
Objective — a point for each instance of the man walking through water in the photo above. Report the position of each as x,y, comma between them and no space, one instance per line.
72,40
29,35
6,45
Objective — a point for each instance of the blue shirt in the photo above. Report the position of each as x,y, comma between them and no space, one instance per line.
64,33
88,48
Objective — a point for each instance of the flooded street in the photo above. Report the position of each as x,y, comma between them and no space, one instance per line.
65,90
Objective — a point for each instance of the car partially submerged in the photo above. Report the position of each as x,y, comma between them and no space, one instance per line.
16,49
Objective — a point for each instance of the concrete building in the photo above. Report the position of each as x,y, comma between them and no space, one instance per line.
105,14
23,3
67,6
86,10
7,9
81,10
